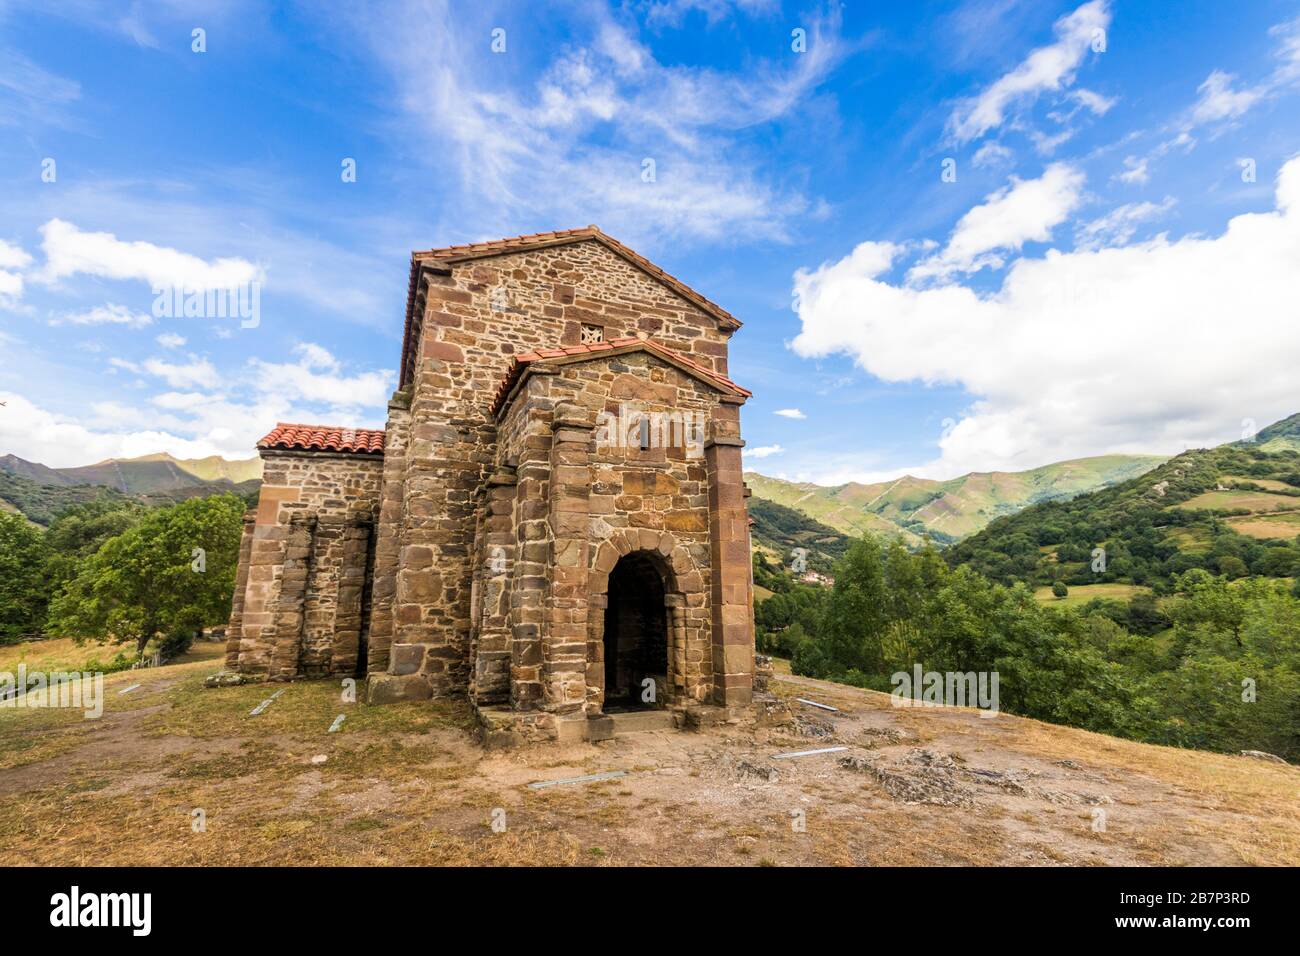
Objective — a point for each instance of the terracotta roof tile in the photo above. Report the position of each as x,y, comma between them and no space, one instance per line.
495,247
367,441
631,343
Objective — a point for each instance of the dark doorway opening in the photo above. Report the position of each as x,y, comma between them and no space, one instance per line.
636,636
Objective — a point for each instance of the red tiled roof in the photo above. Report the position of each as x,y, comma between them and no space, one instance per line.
628,344
537,240
366,441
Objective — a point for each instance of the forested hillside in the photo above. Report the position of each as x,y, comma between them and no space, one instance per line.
781,530
1232,510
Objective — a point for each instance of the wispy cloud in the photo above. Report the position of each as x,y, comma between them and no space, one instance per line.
109,314
604,131
1025,210
1118,226
1046,69
1222,99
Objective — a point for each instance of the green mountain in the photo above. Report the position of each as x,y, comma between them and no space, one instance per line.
40,492
780,530
160,473
1232,510
946,511
1280,436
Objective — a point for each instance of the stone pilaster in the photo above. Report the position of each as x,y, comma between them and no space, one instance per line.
266,556
286,654
732,620
387,535
346,643
532,535
495,562
235,630
320,602
564,645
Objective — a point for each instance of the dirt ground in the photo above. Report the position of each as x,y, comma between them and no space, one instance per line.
177,774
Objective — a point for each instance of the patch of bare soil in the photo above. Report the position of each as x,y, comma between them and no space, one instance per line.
186,776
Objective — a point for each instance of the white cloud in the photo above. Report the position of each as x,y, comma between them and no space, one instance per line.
992,153
1046,69
13,257
1219,101
315,356
763,451
1142,348
661,13
1135,170
69,251
1119,225
109,314
64,441
170,340
11,288
198,415
11,283
197,373
790,413
1025,210
318,377
1095,102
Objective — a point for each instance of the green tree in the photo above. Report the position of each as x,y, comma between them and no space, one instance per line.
1060,590
23,593
175,570
78,531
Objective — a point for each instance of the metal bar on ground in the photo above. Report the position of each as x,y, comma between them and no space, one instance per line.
808,753
813,703
128,689
590,778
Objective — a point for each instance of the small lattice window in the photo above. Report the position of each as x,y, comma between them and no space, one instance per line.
592,334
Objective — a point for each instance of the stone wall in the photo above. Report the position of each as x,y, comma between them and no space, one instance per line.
576,493
303,566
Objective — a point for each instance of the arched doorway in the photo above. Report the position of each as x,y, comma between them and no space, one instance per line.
636,636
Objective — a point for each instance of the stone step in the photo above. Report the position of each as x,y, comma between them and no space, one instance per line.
640,721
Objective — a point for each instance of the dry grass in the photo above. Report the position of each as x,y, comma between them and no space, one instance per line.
1251,500
407,784
1283,527
1081,594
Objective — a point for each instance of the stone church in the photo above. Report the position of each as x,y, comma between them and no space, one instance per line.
553,522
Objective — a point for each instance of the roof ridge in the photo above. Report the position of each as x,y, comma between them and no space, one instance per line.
521,361
491,247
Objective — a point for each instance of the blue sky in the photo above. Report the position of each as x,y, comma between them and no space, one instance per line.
961,236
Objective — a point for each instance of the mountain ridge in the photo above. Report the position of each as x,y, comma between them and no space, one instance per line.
145,474
946,511
40,492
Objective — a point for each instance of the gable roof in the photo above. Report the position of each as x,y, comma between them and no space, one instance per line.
334,438
450,255
567,354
